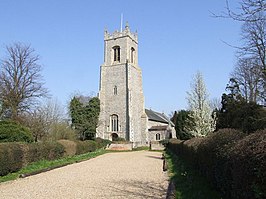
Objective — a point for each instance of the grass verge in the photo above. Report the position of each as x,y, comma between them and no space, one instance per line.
45,164
188,183
141,148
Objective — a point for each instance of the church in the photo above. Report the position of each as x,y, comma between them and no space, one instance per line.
123,114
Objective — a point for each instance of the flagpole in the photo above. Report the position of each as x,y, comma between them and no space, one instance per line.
121,23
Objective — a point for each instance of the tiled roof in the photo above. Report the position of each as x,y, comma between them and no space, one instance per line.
158,117
158,128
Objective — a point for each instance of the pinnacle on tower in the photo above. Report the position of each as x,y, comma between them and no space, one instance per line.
127,26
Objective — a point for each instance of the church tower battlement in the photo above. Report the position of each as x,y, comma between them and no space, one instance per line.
121,94
124,45
124,33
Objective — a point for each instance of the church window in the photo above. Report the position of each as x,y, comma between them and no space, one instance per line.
115,90
114,122
158,136
132,54
116,53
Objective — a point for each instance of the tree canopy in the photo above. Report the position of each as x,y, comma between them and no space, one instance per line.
21,83
199,107
237,113
85,116
182,123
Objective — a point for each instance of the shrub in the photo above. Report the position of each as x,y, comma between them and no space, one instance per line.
60,131
248,158
13,132
233,162
69,146
102,143
85,146
119,139
11,157
45,151
213,157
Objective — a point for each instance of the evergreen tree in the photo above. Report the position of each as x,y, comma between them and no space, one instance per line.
85,116
182,122
237,113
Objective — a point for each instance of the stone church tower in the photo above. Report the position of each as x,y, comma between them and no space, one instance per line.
121,95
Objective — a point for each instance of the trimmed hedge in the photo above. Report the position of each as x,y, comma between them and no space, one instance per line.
85,146
102,143
11,157
70,147
45,151
14,156
234,162
13,132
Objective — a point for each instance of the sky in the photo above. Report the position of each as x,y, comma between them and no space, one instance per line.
176,39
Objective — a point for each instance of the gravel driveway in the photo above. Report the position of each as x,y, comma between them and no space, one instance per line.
112,175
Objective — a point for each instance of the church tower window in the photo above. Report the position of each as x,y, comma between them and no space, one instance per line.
116,53
158,136
114,123
115,90
132,55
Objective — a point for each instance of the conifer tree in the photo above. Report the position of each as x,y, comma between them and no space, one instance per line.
85,116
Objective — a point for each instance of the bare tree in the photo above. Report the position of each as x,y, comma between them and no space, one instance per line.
251,66
44,118
248,10
248,75
21,83
251,53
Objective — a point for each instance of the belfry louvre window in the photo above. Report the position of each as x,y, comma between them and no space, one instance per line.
114,122
116,53
132,55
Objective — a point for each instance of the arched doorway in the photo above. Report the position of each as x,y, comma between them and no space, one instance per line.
114,136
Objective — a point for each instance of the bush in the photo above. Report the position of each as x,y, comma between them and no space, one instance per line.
13,132
12,157
233,162
69,146
213,157
119,139
45,151
102,143
85,146
60,131
248,158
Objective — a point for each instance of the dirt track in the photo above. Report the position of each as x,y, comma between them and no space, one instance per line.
113,175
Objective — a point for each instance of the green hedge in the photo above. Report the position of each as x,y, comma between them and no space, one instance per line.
13,132
234,162
13,156
102,143
45,151
85,146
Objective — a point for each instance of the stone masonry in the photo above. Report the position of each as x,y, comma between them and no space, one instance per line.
121,94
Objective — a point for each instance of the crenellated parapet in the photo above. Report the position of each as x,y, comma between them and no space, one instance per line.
118,34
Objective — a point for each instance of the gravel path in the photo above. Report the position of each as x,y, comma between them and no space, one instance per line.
113,175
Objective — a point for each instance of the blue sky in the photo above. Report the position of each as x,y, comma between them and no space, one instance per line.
176,39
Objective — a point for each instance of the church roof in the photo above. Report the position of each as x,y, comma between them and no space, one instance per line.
158,128
157,117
